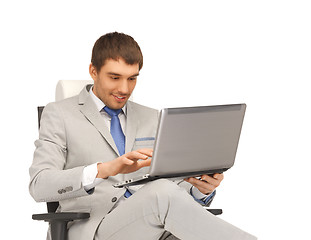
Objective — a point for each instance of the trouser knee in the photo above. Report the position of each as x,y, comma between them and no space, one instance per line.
163,188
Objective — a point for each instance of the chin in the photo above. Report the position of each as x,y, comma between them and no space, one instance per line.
117,105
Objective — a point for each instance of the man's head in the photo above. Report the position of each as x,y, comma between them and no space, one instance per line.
115,65
115,46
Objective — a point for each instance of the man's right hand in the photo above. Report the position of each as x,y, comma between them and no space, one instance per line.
126,163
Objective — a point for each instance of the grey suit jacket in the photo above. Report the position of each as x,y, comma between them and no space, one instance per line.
72,136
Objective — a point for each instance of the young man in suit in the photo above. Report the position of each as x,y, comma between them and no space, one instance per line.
93,140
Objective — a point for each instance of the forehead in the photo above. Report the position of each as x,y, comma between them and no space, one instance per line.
119,67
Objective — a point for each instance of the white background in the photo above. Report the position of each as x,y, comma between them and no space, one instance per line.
195,53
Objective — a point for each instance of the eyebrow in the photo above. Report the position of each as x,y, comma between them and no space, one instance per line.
119,75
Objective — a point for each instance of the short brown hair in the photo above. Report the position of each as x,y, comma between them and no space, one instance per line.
115,46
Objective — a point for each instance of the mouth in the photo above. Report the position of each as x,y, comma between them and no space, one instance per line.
119,98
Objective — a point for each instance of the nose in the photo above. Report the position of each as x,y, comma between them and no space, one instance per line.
123,87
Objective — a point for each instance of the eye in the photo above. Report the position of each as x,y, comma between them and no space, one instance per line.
132,78
114,78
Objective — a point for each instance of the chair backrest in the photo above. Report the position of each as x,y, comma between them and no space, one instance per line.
69,88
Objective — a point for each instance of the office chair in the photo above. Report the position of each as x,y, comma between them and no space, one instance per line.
58,220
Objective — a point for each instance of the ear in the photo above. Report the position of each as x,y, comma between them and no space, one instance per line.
93,72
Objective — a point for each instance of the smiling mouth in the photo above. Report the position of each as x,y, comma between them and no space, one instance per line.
119,98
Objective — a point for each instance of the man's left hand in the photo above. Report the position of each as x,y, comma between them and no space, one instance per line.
207,184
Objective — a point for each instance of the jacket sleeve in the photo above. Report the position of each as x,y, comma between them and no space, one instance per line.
49,180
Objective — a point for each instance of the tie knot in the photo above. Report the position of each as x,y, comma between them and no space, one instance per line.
112,112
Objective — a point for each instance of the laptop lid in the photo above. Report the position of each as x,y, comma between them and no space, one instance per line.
197,140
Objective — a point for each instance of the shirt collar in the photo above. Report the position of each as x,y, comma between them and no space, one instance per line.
100,104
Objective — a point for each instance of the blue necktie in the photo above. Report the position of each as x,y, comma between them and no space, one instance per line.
116,130
117,135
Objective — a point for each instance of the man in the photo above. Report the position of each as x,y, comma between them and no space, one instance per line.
93,140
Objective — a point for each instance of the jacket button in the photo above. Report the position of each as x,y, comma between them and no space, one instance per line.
114,199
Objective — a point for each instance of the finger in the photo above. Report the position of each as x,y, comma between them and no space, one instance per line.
219,176
145,163
211,180
136,165
199,183
135,155
146,151
203,186
128,161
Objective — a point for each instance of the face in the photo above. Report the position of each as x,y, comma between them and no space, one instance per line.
115,82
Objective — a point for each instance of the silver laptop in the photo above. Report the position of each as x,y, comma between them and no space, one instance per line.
192,141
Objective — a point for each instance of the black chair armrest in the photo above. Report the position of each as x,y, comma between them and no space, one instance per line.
63,216
214,211
58,222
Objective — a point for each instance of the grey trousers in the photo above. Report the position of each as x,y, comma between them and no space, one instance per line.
162,206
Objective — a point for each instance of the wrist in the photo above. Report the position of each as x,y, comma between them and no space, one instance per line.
198,194
102,170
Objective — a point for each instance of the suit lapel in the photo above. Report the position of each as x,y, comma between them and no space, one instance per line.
89,110
131,128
